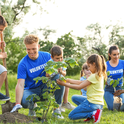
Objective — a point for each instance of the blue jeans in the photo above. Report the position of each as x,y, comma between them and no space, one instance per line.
59,92
39,91
109,97
84,109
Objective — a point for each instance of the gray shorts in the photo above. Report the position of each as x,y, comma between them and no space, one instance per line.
2,69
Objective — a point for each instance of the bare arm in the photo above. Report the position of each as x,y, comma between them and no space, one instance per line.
63,72
74,81
74,86
19,90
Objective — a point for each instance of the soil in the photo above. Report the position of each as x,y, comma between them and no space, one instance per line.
16,117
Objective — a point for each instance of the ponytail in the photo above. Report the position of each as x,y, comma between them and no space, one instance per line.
104,67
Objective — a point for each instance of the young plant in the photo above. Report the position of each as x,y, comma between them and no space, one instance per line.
49,102
112,82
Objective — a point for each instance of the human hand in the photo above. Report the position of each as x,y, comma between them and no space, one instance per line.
60,82
118,92
60,70
3,55
2,42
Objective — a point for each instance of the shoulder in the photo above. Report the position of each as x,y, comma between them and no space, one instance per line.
44,53
121,61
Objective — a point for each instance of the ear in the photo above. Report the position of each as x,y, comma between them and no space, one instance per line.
51,57
94,64
109,54
38,46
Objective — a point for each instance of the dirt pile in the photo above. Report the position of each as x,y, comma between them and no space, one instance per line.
16,117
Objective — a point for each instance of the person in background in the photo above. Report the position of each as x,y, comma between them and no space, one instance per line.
85,73
115,66
89,107
3,55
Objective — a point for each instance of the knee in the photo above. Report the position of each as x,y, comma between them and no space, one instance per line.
4,74
70,116
24,103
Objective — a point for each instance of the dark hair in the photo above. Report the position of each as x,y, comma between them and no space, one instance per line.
3,21
99,63
56,50
84,66
114,47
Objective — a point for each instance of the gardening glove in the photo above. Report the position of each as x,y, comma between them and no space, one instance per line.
16,108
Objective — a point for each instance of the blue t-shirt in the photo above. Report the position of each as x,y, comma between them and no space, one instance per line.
29,69
82,90
116,72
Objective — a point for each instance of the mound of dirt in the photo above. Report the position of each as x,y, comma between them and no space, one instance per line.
16,117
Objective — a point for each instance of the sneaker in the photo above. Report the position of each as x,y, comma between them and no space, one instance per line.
4,98
68,105
57,113
88,119
32,112
62,109
16,108
97,116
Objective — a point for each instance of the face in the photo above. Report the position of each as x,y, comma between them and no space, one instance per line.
115,55
92,67
87,71
1,28
32,50
57,58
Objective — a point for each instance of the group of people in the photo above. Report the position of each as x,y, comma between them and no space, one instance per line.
91,83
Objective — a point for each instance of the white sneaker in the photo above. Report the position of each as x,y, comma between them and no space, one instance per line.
57,113
16,108
68,105
62,109
32,112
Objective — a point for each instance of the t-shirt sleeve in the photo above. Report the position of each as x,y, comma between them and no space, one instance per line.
123,64
92,78
21,74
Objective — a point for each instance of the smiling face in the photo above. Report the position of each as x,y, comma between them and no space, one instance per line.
57,58
32,50
115,54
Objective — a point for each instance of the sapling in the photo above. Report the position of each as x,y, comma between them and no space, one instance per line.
49,102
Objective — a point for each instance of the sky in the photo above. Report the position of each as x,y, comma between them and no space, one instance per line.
72,15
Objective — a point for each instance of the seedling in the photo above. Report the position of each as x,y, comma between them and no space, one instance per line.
49,102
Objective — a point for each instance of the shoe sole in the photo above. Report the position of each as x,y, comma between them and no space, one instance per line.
5,99
99,117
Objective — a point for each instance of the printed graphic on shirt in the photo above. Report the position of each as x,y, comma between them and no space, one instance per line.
40,67
116,71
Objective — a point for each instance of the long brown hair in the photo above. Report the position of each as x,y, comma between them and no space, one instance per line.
114,47
100,64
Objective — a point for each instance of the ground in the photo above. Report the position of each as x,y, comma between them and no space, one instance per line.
16,117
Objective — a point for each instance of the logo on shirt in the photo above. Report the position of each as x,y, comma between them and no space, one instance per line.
116,71
40,67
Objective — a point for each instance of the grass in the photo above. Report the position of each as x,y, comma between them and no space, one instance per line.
108,117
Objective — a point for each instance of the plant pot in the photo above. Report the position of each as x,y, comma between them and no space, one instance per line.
117,103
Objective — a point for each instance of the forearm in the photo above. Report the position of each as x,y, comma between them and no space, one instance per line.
73,81
63,73
73,86
19,92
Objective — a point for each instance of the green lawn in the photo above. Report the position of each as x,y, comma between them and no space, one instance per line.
108,117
